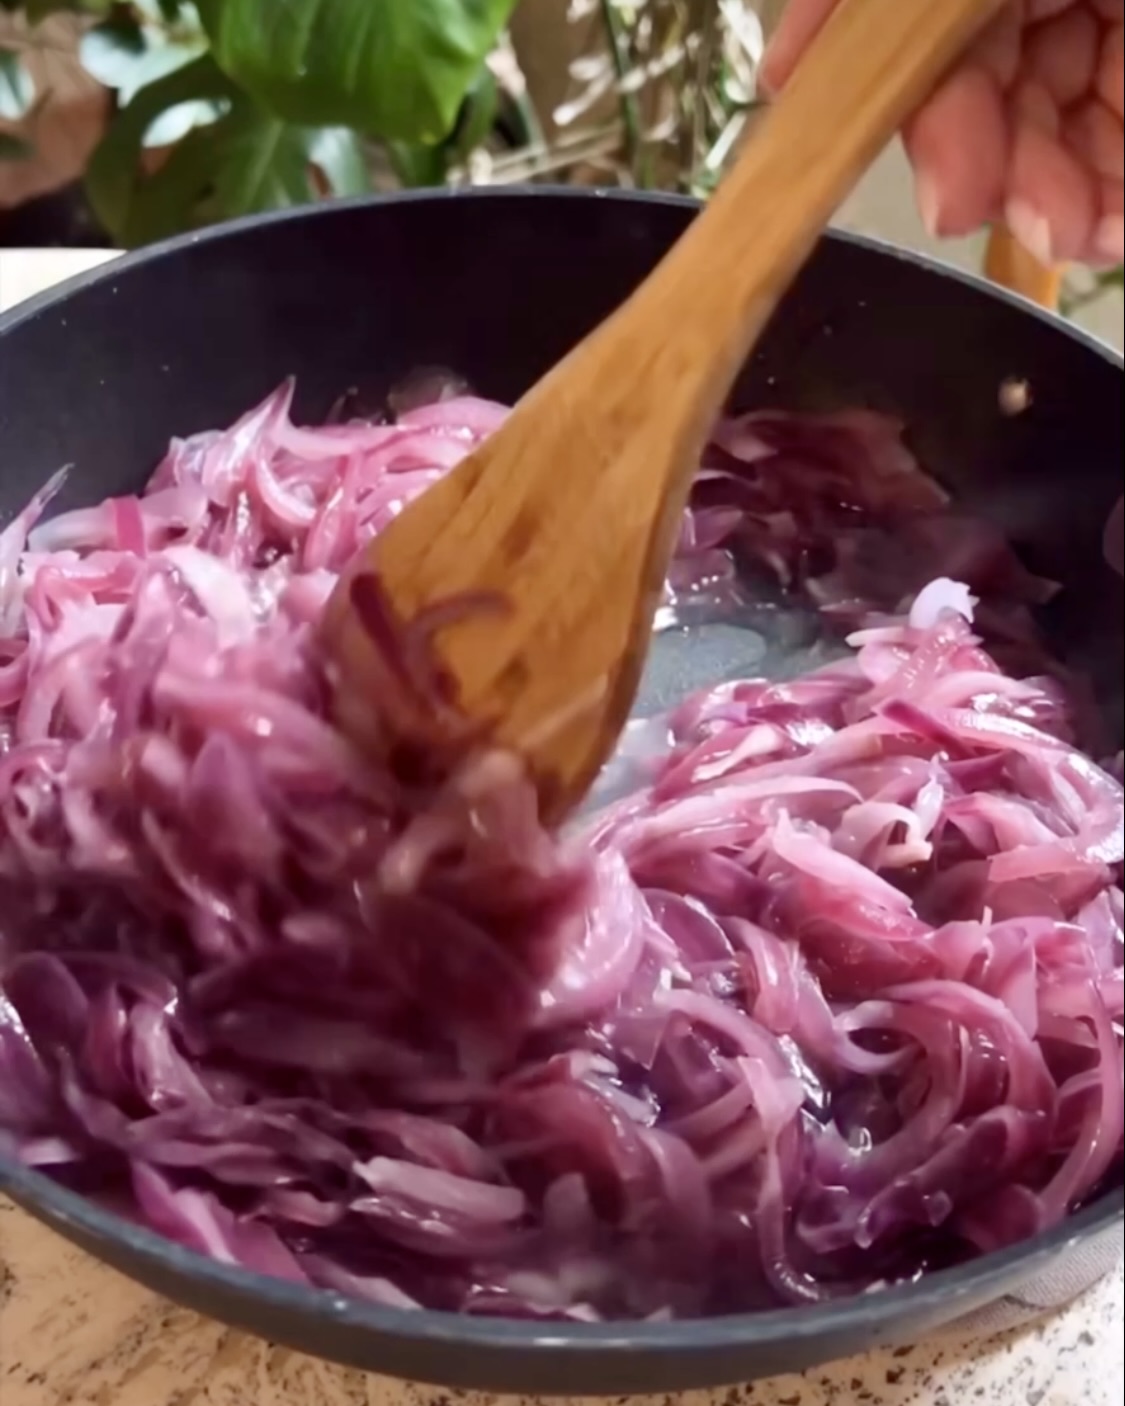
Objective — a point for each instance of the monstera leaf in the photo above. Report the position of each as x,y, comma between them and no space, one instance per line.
17,92
244,161
393,69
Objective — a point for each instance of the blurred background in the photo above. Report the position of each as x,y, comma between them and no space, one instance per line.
122,123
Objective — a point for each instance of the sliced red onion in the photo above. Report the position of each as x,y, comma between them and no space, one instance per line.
834,996
932,602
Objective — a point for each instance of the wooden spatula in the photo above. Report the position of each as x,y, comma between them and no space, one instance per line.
1009,264
555,536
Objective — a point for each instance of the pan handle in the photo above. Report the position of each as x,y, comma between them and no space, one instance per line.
1008,263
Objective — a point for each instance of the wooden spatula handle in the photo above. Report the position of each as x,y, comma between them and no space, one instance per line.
568,516
869,68
1009,264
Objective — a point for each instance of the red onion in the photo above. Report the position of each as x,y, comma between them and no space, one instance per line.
835,997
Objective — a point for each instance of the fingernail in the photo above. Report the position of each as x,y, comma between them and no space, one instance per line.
928,195
1109,239
1031,229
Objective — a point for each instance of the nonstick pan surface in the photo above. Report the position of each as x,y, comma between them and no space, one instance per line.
103,372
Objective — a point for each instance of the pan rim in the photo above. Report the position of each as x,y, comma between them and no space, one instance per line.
124,263
85,1222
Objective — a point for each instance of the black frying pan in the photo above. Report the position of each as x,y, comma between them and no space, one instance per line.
498,285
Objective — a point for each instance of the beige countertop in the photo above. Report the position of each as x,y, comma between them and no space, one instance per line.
74,1333
25,272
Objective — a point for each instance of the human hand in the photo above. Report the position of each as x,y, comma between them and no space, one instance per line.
1027,130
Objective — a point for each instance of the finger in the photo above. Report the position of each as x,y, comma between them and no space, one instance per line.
1045,9
1063,53
1032,105
958,146
1109,237
799,25
999,49
1111,70
1052,205
1095,135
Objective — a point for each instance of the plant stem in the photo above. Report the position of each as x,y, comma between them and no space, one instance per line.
1073,302
630,114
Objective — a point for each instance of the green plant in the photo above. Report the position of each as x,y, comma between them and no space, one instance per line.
228,107
681,74
1075,299
17,97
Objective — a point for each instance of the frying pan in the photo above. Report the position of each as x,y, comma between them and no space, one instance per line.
498,285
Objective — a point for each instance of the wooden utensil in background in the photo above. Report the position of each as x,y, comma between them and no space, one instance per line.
566,519
1008,263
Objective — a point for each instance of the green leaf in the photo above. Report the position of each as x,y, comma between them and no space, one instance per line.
262,163
245,161
113,178
113,53
477,116
518,119
17,92
394,69
125,55
173,198
13,148
416,164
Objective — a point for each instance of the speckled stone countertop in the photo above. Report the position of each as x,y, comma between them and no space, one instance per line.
74,1333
